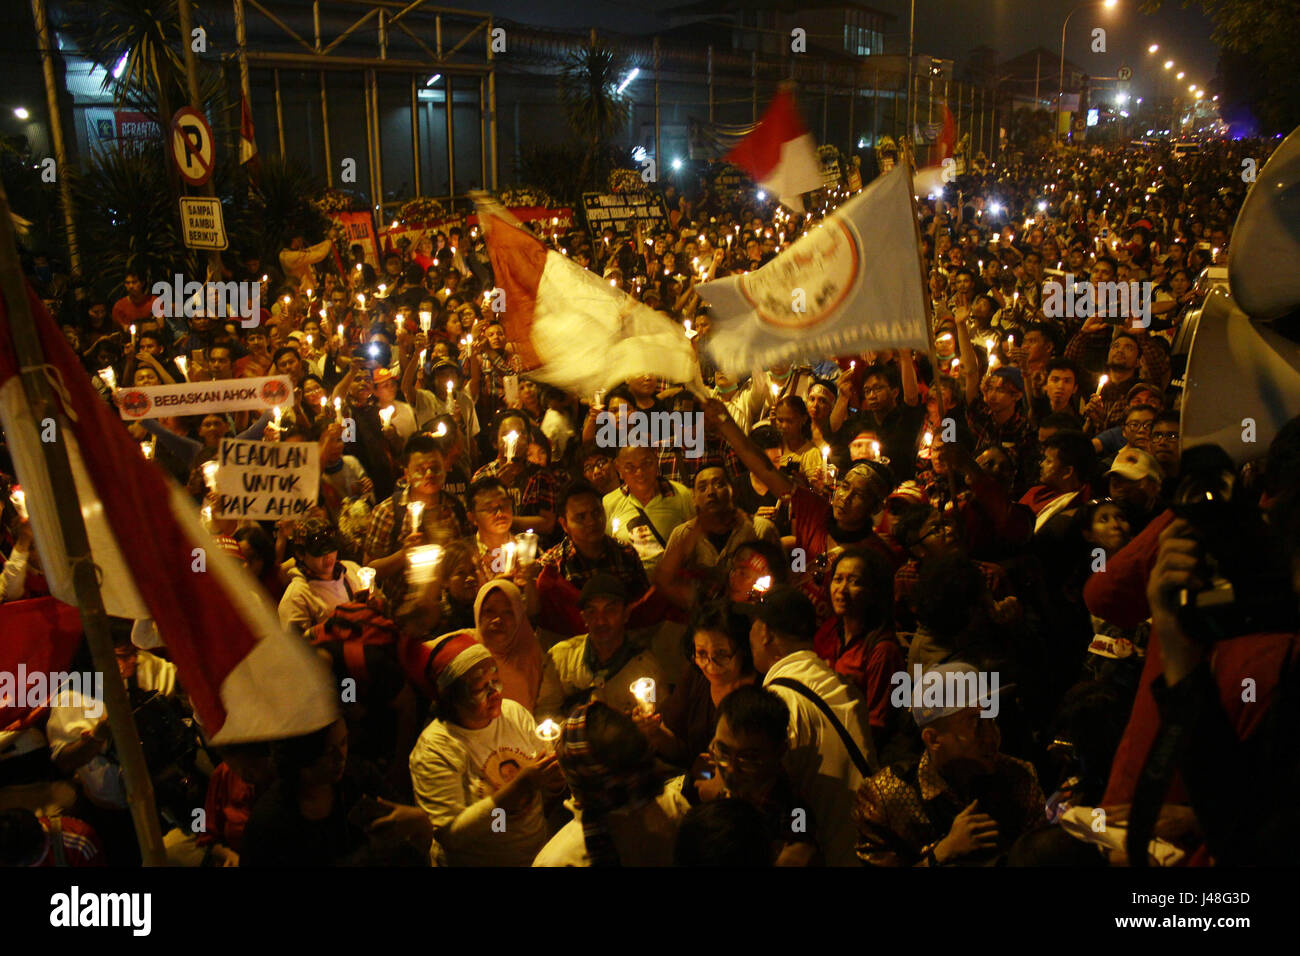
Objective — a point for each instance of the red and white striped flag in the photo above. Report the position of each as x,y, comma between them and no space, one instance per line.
569,327
931,179
247,678
781,155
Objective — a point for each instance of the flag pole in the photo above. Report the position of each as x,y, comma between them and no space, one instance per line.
929,320
72,529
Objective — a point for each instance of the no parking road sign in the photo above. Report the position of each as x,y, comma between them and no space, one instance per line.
192,146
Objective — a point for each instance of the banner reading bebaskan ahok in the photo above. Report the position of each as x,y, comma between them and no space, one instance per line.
850,284
203,398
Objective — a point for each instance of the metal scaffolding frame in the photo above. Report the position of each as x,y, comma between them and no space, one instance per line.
384,16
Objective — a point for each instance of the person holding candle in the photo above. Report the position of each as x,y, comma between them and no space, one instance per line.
647,506
623,813
533,489
402,421
1130,350
459,765
717,645
895,422
391,535
794,424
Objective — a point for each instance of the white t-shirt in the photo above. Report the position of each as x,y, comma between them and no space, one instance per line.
345,480
456,771
644,837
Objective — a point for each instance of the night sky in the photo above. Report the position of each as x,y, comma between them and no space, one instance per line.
950,29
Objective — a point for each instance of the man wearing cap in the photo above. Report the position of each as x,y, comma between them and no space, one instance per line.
601,664
1135,479
428,403
963,800
319,582
403,421
831,750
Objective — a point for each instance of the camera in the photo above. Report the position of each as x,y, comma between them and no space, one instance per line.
1248,577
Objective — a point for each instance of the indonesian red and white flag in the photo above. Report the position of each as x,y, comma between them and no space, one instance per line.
571,328
781,155
247,142
930,179
247,678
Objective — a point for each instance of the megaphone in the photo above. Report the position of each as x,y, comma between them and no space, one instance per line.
1243,379
1266,237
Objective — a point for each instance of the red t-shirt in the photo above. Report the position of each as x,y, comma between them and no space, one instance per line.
126,313
228,806
868,665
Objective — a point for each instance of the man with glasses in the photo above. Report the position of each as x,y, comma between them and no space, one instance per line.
645,509
749,744
1166,446
1135,431
897,423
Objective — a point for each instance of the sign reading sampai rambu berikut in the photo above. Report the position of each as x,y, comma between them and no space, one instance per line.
267,479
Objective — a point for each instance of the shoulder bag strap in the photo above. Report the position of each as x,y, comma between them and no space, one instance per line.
851,745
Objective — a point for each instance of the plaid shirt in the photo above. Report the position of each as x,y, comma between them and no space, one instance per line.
675,466
1015,436
563,573
495,369
539,491
441,525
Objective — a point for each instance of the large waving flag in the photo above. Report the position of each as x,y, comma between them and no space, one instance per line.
850,284
569,327
780,154
247,678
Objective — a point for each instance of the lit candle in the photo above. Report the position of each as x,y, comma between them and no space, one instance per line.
826,455
416,508
423,563
426,321
508,555
309,293
148,448
309,340
109,377
763,584
386,414
423,353
451,386
367,576
132,337
276,415
210,469
340,330
382,289
776,390
875,450
19,498
324,315
440,430
512,439
1102,383
643,689
614,524
526,547
361,297
338,410
182,363
548,730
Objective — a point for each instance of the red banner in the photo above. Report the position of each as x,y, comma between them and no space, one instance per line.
41,634
359,227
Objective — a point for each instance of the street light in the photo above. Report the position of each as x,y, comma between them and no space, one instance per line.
1060,83
1169,64
21,112
1180,74
1153,48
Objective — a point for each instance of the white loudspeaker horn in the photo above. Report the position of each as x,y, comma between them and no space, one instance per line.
1243,380
1266,238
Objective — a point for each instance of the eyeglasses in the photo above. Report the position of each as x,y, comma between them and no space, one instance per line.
723,757
717,660
1164,436
1137,426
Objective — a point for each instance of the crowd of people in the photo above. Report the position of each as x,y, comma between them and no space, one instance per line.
627,655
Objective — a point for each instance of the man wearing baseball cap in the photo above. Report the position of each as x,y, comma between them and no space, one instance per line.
1135,478
601,664
831,751
402,421
963,800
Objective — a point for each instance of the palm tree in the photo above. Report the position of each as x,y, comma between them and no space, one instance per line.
596,110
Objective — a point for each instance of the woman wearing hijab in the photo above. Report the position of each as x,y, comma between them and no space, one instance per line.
504,630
